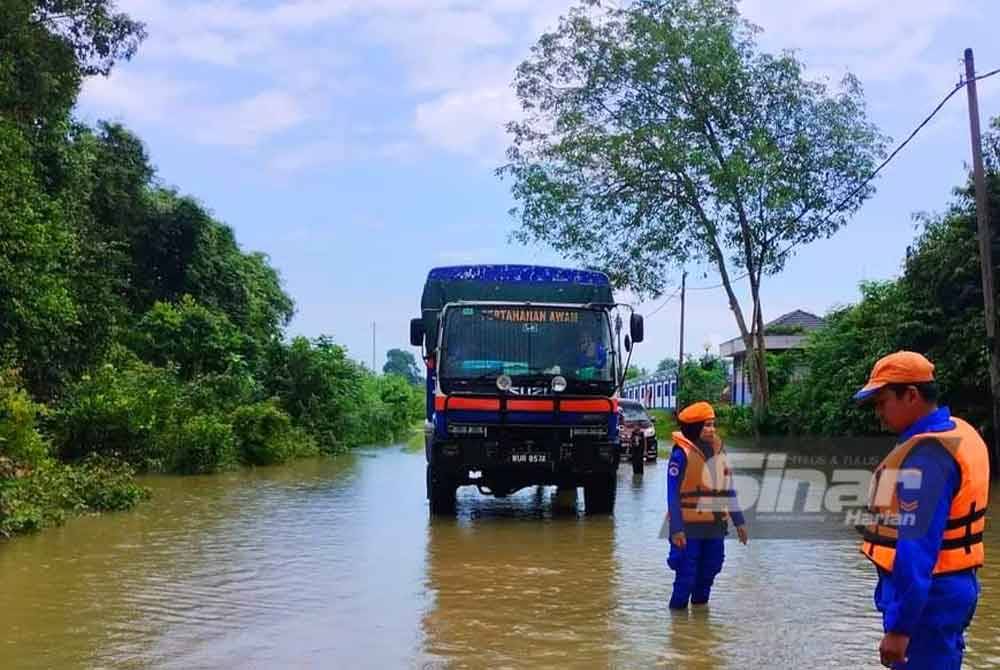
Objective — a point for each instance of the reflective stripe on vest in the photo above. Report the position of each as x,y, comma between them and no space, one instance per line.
705,490
962,544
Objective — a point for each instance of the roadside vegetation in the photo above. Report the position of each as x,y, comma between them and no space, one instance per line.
136,335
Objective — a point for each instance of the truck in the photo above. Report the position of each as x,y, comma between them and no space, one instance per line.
524,371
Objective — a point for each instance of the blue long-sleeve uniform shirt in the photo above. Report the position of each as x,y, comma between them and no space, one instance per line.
903,594
675,475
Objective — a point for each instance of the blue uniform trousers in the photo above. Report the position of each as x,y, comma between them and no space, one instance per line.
937,641
695,568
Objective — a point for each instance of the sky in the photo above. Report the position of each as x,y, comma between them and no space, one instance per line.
355,142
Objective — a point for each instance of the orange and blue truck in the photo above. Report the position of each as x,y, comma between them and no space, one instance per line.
524,370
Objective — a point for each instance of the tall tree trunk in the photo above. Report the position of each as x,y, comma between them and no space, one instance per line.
761,394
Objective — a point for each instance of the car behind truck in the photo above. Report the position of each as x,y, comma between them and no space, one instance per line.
524,368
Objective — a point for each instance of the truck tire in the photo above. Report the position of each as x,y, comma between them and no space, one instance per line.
440,492
599,494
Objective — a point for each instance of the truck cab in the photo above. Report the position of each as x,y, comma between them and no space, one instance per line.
524,365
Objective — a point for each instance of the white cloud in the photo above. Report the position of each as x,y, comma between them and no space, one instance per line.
881,40
247,122
441,69
129,94
309,156
469,121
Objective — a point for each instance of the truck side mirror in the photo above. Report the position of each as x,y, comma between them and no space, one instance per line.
417,332
637,328
628,343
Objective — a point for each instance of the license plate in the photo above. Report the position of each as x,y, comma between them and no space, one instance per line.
529,458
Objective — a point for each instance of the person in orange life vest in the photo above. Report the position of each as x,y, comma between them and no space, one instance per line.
925,518
700,499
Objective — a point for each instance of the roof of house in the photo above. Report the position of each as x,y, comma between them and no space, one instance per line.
806,320
787,332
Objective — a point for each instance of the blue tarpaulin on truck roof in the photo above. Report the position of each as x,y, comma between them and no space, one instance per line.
518,273
511,283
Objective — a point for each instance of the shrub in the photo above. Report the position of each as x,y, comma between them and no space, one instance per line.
47,493
265,436
198,445
734,420
20,440
119,410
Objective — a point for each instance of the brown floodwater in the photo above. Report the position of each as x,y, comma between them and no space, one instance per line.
336,564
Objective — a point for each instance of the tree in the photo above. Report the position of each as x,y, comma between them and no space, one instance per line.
658,134
189,335
704,379
668,366
321,388
57,43
37,309
404,364
634,372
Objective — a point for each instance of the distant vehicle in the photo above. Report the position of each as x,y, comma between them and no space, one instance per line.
637,435
524,369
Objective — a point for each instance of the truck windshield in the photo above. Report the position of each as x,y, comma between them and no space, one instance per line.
487,341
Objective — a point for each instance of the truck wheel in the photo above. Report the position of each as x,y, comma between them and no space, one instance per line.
440,492
599,494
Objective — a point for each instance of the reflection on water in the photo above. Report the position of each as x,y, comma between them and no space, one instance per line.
335,564
511,589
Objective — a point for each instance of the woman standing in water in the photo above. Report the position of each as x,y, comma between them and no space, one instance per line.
700,502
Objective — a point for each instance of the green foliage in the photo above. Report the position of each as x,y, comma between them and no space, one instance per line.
119,410
265,435
199,444
20,440
189,335
404,364
144,337
935,307
655,134
784,330
320,388
668,366
55,43
838,359
47,493
703,379
657,131
634,372
35,296
733,420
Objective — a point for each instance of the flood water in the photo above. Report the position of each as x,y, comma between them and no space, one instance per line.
336,564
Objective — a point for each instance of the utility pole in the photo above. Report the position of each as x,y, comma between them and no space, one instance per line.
985,249
680,360
373,348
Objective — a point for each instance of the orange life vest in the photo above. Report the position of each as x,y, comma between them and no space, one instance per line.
706,488
962,545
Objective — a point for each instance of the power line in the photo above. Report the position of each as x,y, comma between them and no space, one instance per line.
843,203
664,303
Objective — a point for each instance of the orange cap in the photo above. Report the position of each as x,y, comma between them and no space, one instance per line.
696,413
902,367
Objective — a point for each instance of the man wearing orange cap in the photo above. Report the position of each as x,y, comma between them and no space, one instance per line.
700,500
926,512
